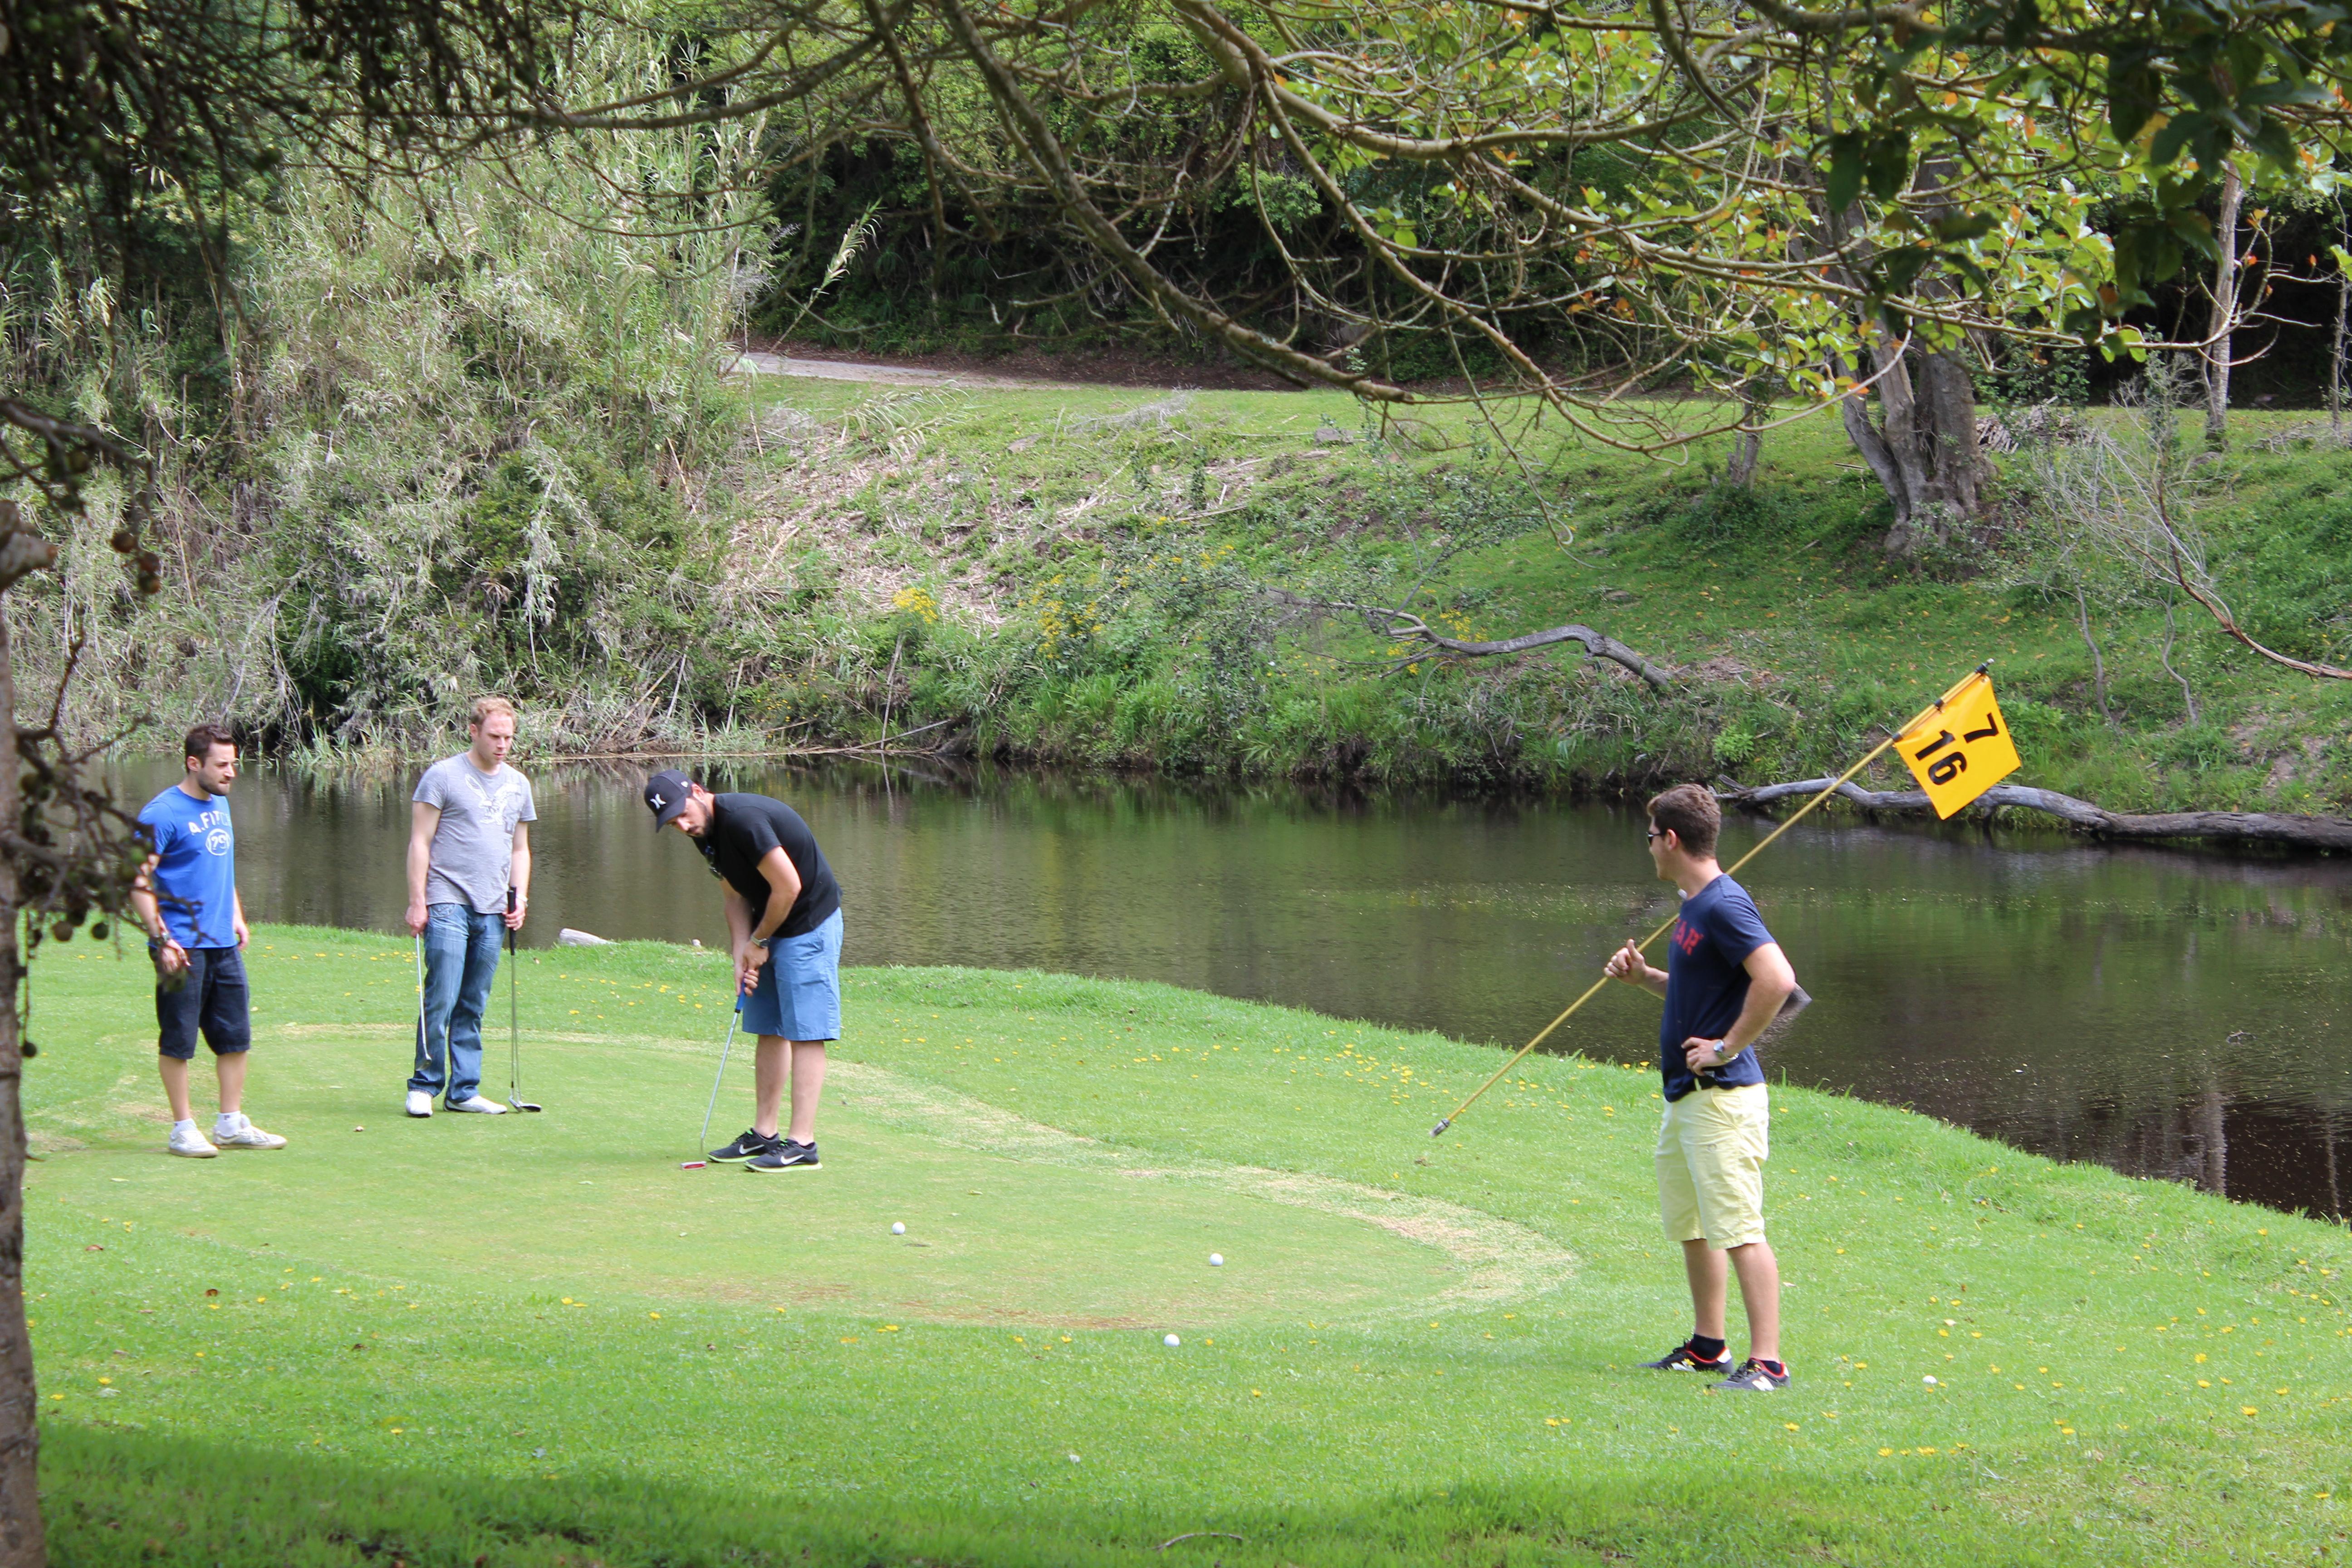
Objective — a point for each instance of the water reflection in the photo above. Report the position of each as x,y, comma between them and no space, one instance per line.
2171,1013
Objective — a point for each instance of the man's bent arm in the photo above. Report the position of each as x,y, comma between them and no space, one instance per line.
739,919
783,891
1770,982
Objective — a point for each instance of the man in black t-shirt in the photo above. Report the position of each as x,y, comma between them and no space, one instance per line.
783,917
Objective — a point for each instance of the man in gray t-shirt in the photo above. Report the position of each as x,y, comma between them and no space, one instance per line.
468,843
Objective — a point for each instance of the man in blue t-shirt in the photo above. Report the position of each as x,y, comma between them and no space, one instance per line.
1724,981
186,898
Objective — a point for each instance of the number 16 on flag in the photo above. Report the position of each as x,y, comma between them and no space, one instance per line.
1960,748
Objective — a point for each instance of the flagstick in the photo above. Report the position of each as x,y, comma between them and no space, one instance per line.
1876,752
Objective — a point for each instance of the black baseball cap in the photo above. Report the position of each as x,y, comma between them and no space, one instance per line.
665,796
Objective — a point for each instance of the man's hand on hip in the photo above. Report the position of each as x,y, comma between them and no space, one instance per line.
1705,1056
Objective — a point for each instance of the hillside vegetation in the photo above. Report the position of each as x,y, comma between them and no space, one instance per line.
1114,578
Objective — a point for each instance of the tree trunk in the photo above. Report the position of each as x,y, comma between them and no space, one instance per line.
2335,352
1922,448
22,1544
1748,446
2224,319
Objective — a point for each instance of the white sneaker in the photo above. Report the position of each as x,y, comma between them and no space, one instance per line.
248,1136
477,1105
191,1143
419,1103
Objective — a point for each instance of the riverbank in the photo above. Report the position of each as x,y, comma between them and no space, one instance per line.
1110,579
1413,1349
1087,578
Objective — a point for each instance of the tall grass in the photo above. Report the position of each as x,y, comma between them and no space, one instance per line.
471,442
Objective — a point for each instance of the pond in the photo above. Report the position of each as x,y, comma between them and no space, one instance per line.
2178,1013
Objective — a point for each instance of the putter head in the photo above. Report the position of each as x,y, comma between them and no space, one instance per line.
523,1104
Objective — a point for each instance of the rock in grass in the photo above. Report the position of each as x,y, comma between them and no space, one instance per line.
567,936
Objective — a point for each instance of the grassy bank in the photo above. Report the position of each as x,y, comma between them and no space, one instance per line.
537,1341
1109,578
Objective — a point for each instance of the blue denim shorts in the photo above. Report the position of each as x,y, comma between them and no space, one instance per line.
211,999
799,993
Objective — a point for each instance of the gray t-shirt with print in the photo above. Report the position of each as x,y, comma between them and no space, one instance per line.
473,848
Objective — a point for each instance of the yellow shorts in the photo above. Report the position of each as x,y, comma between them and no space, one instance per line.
1712,1145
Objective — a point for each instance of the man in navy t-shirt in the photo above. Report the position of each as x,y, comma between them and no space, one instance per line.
1724,981
186,898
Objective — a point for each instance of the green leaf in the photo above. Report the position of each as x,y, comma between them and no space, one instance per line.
1845,182
2133,92
1890,165
2167,144
1897,270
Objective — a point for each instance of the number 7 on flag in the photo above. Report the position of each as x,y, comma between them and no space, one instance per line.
1962,748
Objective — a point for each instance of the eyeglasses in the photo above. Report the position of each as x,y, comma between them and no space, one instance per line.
1655,833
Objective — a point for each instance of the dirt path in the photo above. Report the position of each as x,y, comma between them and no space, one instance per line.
759,364
1035,370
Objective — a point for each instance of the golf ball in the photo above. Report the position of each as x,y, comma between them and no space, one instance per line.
1216,1260
899,1227
1929,1380
1172,1341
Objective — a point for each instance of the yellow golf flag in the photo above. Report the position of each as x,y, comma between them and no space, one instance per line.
1960,748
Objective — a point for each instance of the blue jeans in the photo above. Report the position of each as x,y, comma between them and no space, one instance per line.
461,959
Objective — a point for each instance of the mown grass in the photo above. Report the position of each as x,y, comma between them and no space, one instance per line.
1083,584
486,1341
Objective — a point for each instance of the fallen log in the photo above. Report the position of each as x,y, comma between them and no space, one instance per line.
2222,826
1406,627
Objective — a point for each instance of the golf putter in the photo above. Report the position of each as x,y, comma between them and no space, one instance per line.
698,1162
514,1023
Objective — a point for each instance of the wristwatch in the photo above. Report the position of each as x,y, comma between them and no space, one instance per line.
1723,1051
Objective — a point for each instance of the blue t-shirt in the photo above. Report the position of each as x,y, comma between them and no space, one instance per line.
195,869
1705,987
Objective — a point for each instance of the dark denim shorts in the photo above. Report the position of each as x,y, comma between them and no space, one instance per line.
212,999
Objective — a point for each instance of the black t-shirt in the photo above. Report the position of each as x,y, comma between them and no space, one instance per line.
1707,983
743,829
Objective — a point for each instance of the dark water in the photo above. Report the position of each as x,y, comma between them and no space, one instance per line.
2174,1013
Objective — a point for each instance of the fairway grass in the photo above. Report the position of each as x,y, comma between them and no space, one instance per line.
534,1339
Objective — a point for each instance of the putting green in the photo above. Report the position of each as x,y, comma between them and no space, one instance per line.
1008,1220
1418,1352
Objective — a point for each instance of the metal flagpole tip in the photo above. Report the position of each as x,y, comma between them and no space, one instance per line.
1438,1130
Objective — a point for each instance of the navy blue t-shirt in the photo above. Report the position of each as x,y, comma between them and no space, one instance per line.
1705,987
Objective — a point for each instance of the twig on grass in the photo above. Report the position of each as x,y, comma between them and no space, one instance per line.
1197,1535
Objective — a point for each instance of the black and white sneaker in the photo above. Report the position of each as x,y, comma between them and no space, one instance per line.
1753,1377
751,1144
784,1156
1682,1358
